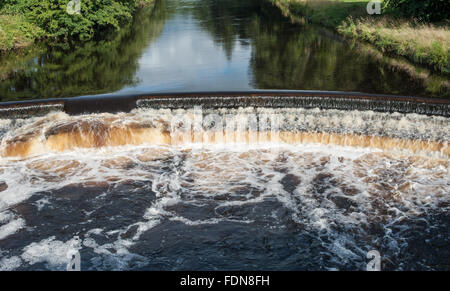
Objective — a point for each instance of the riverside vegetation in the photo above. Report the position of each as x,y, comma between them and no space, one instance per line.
22,22
89,67
416,30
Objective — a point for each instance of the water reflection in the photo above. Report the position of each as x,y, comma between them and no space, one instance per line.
315,59
200,45
59,70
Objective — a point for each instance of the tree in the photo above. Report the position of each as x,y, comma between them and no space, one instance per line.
95,17
436,10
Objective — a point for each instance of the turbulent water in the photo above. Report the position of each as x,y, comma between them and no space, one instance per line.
225,189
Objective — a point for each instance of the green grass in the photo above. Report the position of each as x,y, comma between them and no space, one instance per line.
16,32
424,44
25,21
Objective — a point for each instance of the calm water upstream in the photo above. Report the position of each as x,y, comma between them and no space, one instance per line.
245,187
201,45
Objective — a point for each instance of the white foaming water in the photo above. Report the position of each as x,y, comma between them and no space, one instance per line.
9,224
339,193
10,263
60,132
410,185
52,252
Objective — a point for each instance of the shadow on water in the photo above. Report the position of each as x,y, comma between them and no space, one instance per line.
198,45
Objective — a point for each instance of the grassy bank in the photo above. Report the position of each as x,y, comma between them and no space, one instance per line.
23,22
17,32
421,43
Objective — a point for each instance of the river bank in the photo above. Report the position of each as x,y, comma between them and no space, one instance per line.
16,32
24,22
421,43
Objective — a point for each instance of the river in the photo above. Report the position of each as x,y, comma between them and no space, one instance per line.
235,183
200,45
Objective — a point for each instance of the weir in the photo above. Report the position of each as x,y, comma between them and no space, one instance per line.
150,125
258,98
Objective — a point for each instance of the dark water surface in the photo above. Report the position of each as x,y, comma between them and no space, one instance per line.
202,45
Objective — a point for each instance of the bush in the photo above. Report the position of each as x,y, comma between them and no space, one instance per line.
95,16
435,11
17,32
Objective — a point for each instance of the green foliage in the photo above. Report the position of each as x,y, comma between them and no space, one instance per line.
95,17
439,57
432,53
436,10
17,32
91,67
